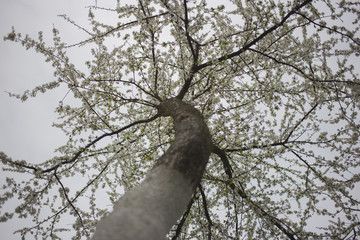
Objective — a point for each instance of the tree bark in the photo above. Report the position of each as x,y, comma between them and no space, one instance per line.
152,208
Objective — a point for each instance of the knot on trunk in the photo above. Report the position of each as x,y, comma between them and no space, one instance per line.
174,107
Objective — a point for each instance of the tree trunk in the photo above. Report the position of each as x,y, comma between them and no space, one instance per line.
152,208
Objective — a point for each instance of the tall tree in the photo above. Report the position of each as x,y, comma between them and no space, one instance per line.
228,121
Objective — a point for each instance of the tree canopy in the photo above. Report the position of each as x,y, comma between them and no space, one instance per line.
276,82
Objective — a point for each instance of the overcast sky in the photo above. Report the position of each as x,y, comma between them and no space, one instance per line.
25,129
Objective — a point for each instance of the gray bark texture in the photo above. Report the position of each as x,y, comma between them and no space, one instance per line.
152,208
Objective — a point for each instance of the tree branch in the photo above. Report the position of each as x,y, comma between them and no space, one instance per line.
77,195
280,143
253,42
114,30
277,222
207,215
325,181
68,199
5,159
186,86
299,122
278,61
189,39
150,28
75,157
183,219
194,50
330,29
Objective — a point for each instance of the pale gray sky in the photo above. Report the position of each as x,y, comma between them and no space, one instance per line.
25,129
